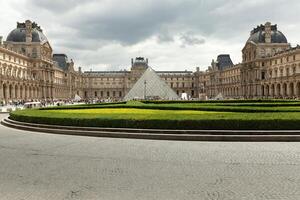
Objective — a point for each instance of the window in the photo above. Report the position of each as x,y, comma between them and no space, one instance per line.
120,94
107,94
262,75
95,94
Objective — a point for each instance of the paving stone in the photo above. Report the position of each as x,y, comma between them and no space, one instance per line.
46,166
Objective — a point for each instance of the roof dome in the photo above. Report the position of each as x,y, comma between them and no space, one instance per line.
258,35
19,34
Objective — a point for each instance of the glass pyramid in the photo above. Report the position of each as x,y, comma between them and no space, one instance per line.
151,86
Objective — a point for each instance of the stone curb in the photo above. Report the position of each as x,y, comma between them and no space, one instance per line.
164,131
204,136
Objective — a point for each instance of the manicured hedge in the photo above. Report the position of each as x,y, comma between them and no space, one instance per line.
200,107
226,124
271,115
221,101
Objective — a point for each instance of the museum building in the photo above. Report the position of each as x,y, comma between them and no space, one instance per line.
29,71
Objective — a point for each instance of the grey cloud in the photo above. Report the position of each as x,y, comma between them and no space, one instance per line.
165,37
135,21
188,39
93,24
56,6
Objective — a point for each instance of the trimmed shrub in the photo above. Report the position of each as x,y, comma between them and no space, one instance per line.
271,115
205,124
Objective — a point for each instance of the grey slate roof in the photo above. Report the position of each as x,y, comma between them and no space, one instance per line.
258,35
19,35
224,61
62,61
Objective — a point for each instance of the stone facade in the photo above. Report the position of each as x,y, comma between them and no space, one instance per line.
270,68
116,84
29,71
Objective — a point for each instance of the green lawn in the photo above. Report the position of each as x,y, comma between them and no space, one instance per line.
172,115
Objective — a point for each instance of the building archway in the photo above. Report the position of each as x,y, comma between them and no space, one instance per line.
10,95
298,89
21,91
284,90
4,86
262,90
25,92
291,90
278,90
16,92
272,90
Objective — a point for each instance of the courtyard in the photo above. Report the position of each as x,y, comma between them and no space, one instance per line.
45,166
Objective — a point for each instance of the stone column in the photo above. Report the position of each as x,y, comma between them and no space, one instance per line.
1,92
6,93
281,90
17,92
296,90
27,93
24,92
13,93
288,91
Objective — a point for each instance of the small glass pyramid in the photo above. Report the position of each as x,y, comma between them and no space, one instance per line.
151,86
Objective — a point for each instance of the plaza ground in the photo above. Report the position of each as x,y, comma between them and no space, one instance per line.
45,166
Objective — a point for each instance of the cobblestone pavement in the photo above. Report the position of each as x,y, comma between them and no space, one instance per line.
45,166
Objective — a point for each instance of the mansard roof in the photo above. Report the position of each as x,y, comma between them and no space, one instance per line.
258,35
61,60
19,34
224,61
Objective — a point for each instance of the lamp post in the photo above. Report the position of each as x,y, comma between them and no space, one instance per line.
145,88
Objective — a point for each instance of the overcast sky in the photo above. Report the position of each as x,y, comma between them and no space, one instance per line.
173,34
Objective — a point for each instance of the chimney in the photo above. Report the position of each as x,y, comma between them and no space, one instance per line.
268,32
28,25
131,62
147,60
79,70
198,69
1,40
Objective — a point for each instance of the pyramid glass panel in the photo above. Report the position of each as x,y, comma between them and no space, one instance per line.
151,86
